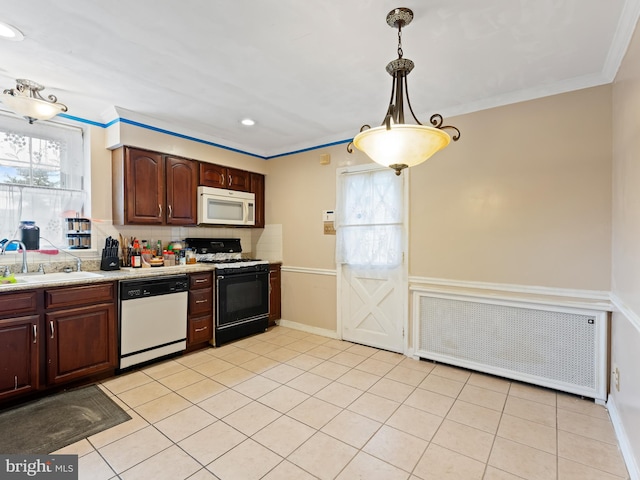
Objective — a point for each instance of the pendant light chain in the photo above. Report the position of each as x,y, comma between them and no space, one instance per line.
400,52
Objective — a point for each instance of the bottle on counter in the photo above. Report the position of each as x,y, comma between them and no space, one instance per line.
136,255
169,258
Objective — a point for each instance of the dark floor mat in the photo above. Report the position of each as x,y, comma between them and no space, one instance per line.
48,424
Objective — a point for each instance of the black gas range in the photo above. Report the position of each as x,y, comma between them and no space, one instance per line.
241,296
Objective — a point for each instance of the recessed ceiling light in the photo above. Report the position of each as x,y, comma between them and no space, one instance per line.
247,122
10,32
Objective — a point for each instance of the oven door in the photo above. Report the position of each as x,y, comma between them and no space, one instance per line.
241,297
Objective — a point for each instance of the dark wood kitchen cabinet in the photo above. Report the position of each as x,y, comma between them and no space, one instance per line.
275,293
257,188
200,310
19,344
151,188
181,179
80,331
56,336
217,176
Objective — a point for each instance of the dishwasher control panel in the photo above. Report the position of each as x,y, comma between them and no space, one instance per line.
151,287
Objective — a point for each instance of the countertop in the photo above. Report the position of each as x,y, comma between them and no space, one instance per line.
105,276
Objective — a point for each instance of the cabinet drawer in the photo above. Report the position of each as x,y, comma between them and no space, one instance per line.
200,280
87,294
200,329
23,302
201,301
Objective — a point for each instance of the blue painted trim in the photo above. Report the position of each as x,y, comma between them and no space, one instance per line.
332,144
83,120
194,139
187,137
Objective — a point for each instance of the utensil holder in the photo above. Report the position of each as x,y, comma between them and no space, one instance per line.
110,263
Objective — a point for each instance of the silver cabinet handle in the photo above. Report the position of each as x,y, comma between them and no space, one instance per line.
222,179
35,333
15,382
170,211
201,329
202,301
159,210
52,328
230,177
201,280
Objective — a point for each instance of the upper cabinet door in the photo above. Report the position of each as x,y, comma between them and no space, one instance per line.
182,185
218,176
213,175
238,180
144,187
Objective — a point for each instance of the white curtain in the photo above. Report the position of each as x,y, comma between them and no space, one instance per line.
47,207
369,218
42,170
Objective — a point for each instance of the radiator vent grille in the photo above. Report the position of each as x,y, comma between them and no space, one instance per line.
551,345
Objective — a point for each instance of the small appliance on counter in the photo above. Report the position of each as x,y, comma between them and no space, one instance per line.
30,235
78,232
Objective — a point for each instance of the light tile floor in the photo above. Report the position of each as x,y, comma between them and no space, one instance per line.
290,405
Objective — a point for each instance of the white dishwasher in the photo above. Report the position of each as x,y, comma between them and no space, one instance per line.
153,318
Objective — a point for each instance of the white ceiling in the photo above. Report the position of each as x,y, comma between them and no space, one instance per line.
309,73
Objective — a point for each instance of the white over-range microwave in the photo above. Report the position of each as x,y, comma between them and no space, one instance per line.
217,206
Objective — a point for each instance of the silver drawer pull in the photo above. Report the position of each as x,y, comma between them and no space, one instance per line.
202,301
52,328
201,329
201,280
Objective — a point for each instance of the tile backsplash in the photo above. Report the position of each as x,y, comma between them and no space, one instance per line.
259,243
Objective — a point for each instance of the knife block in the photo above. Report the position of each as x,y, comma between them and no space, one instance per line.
110,263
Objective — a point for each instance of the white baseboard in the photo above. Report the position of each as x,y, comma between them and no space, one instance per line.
623,440
324,332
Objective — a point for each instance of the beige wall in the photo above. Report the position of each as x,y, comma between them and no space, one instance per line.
625,352
298,190
522,198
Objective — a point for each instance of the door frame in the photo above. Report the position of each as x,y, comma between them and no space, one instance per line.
407,350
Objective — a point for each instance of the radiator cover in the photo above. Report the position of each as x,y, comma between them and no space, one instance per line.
554,347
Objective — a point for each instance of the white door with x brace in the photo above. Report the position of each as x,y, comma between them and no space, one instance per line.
371,265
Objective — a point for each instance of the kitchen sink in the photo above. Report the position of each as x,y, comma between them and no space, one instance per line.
39,278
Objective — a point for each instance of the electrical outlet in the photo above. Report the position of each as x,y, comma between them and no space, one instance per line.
616,377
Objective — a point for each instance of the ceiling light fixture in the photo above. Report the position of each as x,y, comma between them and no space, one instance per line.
26,100
247,122
396,144
9,32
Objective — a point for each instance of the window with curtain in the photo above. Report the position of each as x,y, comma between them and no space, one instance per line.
42,171
369,218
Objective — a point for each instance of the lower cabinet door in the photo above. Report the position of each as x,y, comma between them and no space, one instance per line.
19,346
80,342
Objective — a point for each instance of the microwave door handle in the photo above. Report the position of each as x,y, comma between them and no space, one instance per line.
246,212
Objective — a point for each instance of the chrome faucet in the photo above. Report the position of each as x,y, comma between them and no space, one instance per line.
24,253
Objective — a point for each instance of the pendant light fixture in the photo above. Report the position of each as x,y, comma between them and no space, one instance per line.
397,144
25,100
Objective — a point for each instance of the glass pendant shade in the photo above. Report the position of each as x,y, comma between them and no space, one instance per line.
31,107
401,145
25,100
396,144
